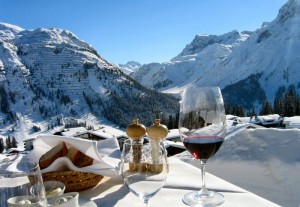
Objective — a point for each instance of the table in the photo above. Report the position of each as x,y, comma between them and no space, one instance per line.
182,178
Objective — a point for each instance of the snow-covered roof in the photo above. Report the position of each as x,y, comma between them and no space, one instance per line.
99,134
294,119
173,133
174,144
292,122
10,150
265,119
231,117
103,131
29,139
70,132
111,130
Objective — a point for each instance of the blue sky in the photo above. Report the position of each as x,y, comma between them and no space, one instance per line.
142,30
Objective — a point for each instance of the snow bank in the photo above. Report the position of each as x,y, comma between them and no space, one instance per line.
265,161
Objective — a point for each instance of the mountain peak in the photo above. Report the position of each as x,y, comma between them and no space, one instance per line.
13,28
201,41
9,31
52,35
290,10
130,67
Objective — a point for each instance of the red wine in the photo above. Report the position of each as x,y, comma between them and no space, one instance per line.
203,147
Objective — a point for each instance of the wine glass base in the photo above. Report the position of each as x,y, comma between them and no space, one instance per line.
194,199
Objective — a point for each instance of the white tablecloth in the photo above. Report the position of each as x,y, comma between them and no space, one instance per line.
182,178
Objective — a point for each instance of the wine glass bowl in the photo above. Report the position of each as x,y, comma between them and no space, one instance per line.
202,128
143,177
21,184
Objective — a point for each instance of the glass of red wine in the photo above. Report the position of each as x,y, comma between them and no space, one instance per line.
202,127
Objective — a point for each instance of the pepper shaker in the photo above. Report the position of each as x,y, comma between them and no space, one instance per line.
136,132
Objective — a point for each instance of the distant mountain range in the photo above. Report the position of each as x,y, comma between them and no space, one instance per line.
130,67
249,67
47,75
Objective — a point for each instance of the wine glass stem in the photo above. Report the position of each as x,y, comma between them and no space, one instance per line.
203,175
146,202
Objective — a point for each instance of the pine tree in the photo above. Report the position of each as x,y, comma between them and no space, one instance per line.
278,106
252,113
8,142
4,103
266,108
1,145
170,122
297,105
289,108
176,120
240,111
14,143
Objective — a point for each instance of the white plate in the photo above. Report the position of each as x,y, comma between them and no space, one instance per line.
83,202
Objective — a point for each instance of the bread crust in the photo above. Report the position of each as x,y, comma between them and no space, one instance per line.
57,151
73,154
83,161
78,158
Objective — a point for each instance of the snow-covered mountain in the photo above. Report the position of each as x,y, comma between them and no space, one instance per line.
130,67
49,74
253,64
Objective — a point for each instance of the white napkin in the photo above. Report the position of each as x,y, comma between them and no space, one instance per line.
106,154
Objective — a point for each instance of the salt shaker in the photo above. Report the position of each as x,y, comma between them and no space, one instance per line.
157,132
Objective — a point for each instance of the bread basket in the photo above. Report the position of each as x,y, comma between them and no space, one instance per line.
77,177
75,181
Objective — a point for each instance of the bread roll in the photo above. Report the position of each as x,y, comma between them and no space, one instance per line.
48,158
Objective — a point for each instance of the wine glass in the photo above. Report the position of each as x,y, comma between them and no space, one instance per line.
142,175
202,128
21,184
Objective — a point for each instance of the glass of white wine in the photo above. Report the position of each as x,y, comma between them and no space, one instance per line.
141,175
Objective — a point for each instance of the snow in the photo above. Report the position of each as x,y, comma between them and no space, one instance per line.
104,131
96,85
129,67
9,31
265,161
292,122
74,131
222,60
112,131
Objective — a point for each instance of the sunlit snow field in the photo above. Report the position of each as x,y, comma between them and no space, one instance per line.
265,161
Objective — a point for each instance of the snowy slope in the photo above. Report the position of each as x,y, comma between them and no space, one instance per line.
197,59
270,53
47,75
